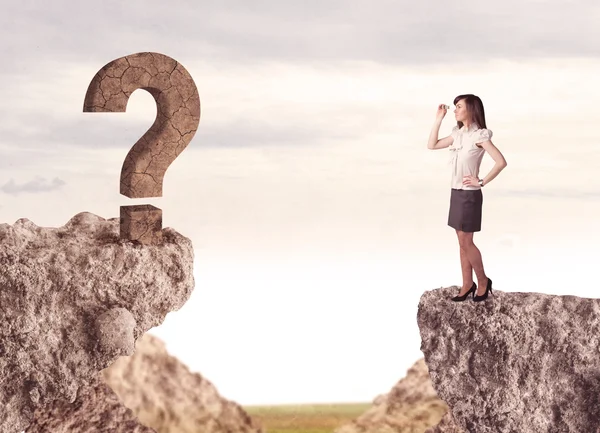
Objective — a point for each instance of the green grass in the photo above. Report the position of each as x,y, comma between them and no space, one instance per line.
306,418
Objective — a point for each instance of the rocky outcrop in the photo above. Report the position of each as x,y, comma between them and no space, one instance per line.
165,395
95,410
72,300
411,406
518,362
446,425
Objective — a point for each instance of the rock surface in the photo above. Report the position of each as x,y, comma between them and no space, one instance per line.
518,362
410,407
95,410
73,299
446,425
165,395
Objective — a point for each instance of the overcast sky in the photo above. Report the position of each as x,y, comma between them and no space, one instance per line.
317,214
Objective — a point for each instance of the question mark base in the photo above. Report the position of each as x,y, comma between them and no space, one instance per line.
142,223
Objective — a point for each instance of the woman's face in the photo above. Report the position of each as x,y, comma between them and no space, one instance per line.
461,113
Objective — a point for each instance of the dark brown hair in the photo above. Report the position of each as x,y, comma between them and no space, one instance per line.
474,108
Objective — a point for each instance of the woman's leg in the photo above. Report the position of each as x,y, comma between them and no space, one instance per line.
474,257
467,269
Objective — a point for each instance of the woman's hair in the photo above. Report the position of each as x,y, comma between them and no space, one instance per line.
475,109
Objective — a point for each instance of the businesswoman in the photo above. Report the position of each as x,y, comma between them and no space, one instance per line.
468,142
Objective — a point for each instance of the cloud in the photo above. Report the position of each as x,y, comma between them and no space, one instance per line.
97,133
398,32
550,193
288,102
509,240
35,186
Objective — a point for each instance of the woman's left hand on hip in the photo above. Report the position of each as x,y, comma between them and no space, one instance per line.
470,181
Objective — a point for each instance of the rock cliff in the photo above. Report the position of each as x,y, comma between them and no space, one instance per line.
410,407
165,395
72,300
161,392
518,362
95,410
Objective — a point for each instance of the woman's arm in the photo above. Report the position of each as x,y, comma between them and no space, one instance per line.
498,159
434,143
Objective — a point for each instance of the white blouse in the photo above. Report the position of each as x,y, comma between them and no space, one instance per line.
465,155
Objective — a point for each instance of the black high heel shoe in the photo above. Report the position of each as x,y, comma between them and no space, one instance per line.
463,297
485,295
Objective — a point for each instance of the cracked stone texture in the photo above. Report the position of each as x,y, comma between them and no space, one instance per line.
72,300
95,410
142,223
410,407
518,362
165,395
177,115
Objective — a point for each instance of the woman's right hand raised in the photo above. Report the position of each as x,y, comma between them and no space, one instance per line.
441,112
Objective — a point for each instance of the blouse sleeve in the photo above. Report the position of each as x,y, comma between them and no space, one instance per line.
484,135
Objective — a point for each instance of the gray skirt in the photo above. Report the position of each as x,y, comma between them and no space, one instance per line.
465,209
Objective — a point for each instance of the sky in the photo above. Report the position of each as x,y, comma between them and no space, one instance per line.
317,214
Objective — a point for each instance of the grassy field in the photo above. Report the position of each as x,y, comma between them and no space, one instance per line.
306,418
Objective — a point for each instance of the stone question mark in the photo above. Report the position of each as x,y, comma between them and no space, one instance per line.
177,119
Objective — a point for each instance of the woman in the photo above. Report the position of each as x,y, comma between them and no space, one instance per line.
468,142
